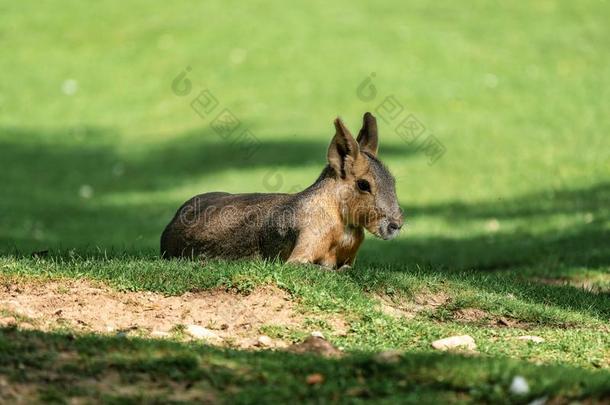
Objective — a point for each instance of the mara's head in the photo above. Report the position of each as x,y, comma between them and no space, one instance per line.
366,187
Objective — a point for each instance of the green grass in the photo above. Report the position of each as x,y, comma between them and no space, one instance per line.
108,369
573,321
512,220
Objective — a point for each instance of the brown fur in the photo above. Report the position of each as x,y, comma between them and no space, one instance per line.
323,224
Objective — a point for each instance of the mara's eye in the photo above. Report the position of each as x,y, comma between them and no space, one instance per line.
363,185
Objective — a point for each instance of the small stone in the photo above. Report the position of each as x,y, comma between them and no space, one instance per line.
264,341
519,386
531,338
159,334
318,334
199,332
455,342
315,378
316,345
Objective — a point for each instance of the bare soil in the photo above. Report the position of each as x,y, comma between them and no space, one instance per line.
470,315
86,306
401,307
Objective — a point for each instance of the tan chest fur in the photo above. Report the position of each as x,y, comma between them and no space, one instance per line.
341,247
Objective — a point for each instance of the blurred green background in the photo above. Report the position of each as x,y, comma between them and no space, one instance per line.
98,152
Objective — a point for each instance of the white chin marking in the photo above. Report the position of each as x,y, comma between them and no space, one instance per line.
389,236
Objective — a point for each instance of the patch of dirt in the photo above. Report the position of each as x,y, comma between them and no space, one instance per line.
476,315
470,315
85,306
401,307
509,323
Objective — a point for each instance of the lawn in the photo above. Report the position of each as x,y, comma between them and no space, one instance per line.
507,227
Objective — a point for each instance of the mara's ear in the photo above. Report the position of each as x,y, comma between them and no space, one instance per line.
343,150
367,137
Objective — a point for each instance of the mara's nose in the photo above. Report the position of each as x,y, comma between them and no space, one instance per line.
394,226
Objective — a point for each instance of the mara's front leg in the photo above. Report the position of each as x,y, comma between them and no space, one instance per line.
311,248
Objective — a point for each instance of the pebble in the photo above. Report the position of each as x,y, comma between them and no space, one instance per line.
199,332
314,379
316,345
318,334
531,338
519,386
264,341
454,342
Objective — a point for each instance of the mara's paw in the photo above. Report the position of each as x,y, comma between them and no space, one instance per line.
299,260
345,267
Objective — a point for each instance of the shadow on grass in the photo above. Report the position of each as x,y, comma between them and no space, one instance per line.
52,182
516,258
49,175
59,367
585,242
